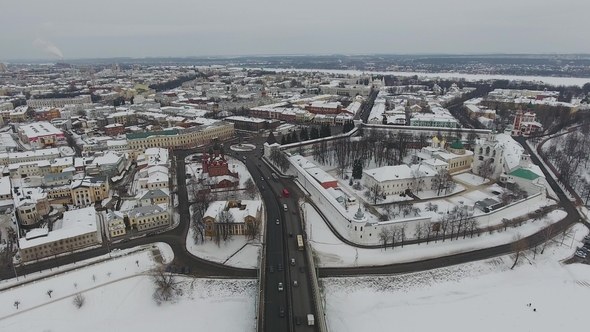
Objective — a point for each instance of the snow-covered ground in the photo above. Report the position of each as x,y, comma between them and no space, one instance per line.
482,296
237,252
471,179
333,253
120,297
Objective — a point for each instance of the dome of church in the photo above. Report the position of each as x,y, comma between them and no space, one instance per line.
457,145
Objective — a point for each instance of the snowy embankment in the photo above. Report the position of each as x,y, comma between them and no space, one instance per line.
486,295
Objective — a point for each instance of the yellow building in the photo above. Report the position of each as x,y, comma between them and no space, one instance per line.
147,217
89,190
58,164
458,158
77,230
246,215
116,224
187,138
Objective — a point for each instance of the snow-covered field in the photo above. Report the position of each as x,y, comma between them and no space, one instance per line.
482,296
119,296
470,77
331,252
237,252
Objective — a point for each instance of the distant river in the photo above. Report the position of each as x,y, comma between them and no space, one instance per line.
469,77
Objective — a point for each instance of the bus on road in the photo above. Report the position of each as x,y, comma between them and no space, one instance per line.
300,242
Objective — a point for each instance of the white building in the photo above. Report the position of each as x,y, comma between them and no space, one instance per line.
395,180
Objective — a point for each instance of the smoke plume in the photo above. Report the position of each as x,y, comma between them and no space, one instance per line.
48,47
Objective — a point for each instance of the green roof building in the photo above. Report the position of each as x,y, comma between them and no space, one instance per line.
524,174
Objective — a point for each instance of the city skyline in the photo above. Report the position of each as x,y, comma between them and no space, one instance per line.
177,29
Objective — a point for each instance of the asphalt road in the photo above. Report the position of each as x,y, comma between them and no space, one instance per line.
281,247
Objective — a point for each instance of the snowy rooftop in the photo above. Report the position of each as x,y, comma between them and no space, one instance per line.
5,188
320,175
108,159
37,129
74,223
512,150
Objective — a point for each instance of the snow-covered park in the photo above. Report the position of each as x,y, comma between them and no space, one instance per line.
484,295
118,295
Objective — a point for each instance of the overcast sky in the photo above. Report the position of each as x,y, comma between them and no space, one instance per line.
111,28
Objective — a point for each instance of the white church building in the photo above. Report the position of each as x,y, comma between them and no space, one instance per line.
510,162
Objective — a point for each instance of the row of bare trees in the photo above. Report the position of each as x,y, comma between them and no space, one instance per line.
451,225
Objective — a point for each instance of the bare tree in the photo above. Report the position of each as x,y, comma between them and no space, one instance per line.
253,229
442,180
486,169
419,231
427,230
505,223
49,293
394,235
472,224
166,286
250,188
519,245
94,277
417,181
444,222
389,210
403,228
384,236
547,234
567,232
374,193
16,304
224,227
79,300
431,207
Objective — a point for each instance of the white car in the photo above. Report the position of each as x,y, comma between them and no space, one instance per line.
581,254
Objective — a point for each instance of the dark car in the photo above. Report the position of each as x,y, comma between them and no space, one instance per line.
168,268
125,240
271,269
280,267
301,269
298,320
290,234
281,312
